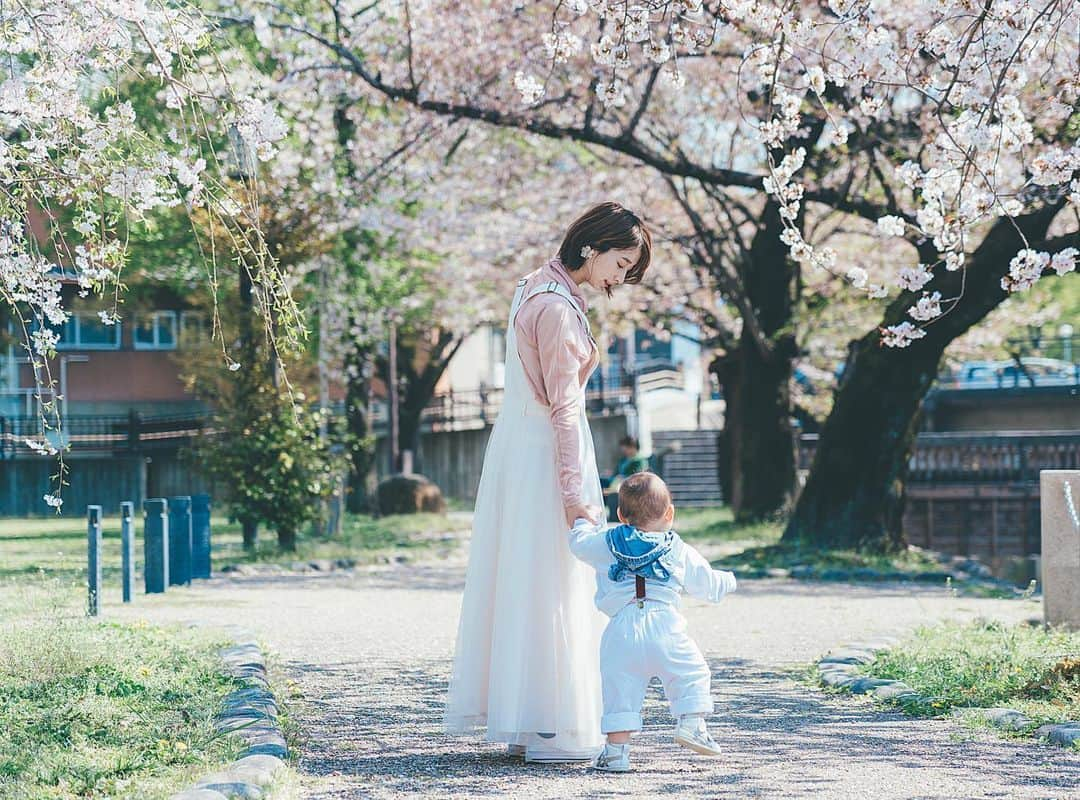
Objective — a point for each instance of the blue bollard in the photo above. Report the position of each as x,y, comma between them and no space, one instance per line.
93,559
179,540
127,549
200,536
156,546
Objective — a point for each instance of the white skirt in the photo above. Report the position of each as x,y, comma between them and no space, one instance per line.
527,658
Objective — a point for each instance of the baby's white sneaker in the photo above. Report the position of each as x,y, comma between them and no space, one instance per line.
691,733
614,758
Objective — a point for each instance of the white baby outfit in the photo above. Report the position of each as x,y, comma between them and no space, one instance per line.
648,637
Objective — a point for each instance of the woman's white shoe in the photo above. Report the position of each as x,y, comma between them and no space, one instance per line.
551,755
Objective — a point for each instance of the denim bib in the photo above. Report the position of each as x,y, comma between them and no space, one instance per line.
638,554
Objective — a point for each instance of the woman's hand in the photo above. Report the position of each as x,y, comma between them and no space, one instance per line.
581,511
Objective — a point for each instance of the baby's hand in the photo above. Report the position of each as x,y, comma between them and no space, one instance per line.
581,511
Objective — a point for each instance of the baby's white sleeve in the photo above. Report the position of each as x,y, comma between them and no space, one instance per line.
701,580
588,542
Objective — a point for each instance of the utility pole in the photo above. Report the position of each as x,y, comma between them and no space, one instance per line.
324,383
395,445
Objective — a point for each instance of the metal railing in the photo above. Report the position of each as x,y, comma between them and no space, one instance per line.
101,433
978,458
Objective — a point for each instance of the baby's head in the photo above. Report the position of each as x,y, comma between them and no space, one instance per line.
645,502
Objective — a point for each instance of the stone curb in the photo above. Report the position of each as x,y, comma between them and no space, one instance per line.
806,572
838,669
320,565
251,714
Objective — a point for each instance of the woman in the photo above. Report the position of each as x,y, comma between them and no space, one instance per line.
526,664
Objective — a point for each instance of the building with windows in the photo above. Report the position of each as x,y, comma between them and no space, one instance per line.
666,377
109,368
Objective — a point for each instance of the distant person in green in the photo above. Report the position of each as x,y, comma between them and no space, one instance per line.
630,463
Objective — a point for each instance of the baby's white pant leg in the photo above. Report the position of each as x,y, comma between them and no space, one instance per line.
683,670
624,673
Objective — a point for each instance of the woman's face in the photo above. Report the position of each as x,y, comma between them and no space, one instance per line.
608,269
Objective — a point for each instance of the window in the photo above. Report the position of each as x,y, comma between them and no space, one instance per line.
84,330
193,328
156,331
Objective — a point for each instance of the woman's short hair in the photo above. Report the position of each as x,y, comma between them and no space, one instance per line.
608,226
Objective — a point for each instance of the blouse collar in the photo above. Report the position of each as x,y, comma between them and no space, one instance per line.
562,275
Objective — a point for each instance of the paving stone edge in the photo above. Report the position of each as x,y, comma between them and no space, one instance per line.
250,713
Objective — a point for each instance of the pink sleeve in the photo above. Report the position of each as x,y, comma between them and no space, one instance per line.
563,351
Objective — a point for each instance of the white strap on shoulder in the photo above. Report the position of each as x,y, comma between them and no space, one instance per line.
554,287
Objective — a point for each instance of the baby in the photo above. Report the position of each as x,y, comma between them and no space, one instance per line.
641,568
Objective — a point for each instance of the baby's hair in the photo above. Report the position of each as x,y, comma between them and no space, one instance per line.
643,498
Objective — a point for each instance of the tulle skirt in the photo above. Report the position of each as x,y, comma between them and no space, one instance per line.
527,657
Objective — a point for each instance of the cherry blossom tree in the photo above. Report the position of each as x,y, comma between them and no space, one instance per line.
80,170
764,435
947,125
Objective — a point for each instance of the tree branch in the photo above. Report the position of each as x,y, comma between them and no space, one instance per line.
667,164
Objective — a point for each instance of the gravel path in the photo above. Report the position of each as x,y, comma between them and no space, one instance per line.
371,653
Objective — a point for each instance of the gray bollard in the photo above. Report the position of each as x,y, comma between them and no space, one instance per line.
200,536
155,546
179,540
93,558
127,549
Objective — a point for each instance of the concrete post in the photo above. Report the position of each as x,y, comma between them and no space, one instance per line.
200,536
93,559
156,546
1060,505
127,549
179,540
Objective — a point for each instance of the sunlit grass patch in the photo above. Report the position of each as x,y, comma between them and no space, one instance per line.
100,709
983,664
55,547
909,562
718,523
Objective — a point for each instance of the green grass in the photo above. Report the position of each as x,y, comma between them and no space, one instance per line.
92,709
718,524
766,551
787,556
362,539
56,546
989,664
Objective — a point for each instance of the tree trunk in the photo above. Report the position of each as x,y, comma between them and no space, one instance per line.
250,533
420,386
362,450
759,445
286,540
854,496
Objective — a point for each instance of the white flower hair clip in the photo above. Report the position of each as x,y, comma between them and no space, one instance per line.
587,252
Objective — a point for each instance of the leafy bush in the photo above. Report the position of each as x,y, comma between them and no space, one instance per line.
272,463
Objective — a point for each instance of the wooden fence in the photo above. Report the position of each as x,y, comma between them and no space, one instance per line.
977,495
968,494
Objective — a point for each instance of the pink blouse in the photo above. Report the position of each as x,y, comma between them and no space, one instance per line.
558,356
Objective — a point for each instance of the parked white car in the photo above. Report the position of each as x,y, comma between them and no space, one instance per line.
1032,371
